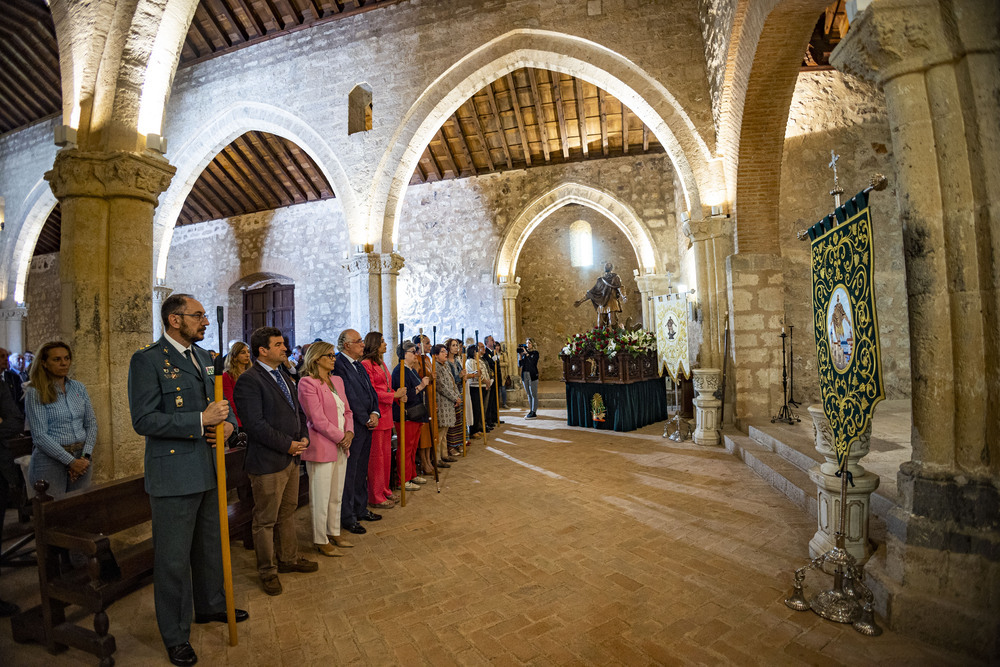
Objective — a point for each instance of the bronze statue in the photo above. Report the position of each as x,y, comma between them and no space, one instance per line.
607,297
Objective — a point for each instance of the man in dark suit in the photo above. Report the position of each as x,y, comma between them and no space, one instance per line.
363,400
11,425
12,379
170,389
276,435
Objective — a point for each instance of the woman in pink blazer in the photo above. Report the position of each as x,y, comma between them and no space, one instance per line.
328,416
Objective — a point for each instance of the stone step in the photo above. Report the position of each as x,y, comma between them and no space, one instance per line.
798,448
786,477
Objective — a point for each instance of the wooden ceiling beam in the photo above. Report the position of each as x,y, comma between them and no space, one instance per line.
274,149
450,158
289,153
478,126
269,14
293,11
221,195
432,161
418,172
206,204
516,105
253,20
17,114
241,180
27,71
496,117
272,166
463,144
581,117
253,165
17,97
221,10
212,198
220,38
198,213
543,131
229,183
560,112
604,121
316,176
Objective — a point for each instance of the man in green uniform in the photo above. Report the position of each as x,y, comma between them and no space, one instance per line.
170,389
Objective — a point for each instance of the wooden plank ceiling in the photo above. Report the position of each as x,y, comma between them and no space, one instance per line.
30,88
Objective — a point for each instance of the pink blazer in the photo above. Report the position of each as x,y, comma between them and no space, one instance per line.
321,418
379,376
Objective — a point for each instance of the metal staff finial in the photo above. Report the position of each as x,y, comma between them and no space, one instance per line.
837,190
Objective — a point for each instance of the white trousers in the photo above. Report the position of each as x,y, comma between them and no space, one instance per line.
326,489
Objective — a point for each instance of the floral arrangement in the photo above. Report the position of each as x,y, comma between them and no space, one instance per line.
610,342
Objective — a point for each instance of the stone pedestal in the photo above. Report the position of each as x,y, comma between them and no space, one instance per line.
706,406
106,267
390,264
511,339
828,486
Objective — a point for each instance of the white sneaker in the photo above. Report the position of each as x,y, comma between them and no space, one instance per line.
410,486
419,480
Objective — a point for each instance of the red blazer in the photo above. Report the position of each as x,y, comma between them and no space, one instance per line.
379,375
321,418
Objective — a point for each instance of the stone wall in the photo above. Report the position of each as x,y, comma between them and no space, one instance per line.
42,297
716,29
834,111
550,283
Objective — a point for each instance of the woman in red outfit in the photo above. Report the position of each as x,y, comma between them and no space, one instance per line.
380,461
237,362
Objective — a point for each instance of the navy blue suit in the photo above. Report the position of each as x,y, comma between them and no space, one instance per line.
363,400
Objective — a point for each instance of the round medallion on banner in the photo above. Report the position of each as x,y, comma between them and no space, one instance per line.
840,329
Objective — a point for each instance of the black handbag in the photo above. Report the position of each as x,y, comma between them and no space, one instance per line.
417,412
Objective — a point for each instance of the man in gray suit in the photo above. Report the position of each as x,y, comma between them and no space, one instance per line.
170,389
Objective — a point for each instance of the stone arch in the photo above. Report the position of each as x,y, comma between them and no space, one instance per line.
505,266
769,84
195,155
38,205
700,176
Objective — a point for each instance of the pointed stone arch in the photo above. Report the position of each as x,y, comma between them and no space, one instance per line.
700,176
505,266
219,132
38,204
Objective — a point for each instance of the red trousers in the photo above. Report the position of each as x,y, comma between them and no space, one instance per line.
412,443
379,465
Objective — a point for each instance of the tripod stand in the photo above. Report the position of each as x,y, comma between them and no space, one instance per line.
785,413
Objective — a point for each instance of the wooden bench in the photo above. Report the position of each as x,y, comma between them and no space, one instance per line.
84,522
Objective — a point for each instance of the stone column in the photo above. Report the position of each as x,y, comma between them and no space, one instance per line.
756,298
828,500
706,235
651,285
706,406
938,63
160,293
389,265
510,332
12,322
106,268
364,271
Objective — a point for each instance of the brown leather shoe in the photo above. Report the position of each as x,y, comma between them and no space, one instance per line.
271,584
341,541
328,550
384,505
300,565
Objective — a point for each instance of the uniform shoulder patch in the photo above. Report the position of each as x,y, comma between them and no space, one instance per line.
146,347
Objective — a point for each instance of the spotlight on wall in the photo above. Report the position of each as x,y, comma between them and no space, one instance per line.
717,210
156,142
517,280
359,250
64,136
635,272
685,216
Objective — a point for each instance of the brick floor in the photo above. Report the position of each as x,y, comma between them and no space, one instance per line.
639,550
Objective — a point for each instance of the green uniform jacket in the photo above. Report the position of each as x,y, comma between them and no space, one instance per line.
166,399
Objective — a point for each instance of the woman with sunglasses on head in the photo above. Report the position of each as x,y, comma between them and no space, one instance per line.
330,422
380,494
237,363
415,389
62,421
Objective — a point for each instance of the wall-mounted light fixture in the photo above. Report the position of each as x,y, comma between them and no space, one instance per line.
517,280
65,136
717,210
156,142
3,204
685,216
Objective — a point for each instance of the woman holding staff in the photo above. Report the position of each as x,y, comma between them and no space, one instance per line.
415,388
380,461
448,399
455,436
428,431
476,406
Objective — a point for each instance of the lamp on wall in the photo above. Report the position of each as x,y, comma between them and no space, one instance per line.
64,136
3,203
716,210
156,142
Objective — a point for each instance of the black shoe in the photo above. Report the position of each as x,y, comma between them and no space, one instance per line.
298,565
370,516
443,464
8,609
355,528
449,459
182,654
220,617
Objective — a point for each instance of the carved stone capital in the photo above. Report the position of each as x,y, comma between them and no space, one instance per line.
652,284
509,290
161,292
706,229
895,37
109,175
706,380
366,262
391,262
15,314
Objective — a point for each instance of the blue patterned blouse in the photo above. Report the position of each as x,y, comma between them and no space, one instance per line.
67,420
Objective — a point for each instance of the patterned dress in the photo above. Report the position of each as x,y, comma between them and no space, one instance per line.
454,436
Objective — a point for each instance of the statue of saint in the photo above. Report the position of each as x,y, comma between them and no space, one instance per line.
607,297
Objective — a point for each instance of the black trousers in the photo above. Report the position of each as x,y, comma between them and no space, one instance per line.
355,500
477,415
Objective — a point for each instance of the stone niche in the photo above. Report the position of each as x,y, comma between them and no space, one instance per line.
550,283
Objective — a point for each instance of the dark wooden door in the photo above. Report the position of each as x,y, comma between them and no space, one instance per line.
270,306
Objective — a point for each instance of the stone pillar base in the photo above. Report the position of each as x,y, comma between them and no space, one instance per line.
707,406
858,503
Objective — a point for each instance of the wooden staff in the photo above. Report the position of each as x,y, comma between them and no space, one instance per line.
432,407
479,378
402,426
436,437
496,376
220,485
465,432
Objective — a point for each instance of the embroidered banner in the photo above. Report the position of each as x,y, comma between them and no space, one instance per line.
847,344
672,335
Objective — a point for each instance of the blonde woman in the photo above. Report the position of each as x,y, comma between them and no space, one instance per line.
237,362
63,425
330,422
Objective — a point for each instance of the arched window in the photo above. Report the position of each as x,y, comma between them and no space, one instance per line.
581,244
359,109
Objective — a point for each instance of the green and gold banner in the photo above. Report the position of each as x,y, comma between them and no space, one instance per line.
672,335
847,345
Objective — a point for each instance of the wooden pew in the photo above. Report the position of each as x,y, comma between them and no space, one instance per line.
84,522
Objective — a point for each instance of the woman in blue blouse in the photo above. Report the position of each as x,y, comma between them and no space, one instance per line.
62,422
